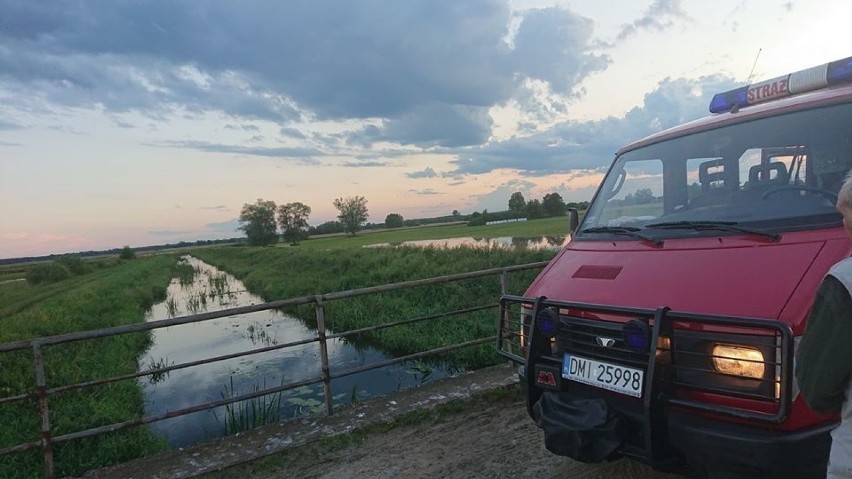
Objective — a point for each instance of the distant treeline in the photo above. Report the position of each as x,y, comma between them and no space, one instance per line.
117,251
330,227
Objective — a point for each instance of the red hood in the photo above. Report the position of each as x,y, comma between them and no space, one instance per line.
724,276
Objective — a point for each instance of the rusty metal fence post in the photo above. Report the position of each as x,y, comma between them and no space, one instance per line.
43,410
505,319
326,374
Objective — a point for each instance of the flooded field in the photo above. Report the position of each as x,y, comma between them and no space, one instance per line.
208,289
509,242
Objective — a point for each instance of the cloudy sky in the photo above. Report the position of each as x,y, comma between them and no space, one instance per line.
151,122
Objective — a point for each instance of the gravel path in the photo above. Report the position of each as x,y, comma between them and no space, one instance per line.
497,442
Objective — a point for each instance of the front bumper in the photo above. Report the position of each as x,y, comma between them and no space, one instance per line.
664,428
592,427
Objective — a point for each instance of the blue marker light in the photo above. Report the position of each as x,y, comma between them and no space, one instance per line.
637,334
546,321
839,71
727,101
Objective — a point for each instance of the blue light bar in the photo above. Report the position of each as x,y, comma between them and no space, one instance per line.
840,71
834,73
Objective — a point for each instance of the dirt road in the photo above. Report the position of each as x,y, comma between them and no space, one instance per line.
498,441
472,426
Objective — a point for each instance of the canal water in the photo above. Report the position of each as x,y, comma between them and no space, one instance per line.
509,242
210,289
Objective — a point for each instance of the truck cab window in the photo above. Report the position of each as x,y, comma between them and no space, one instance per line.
779,174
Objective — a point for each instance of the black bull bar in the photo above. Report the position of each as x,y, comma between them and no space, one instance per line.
521,341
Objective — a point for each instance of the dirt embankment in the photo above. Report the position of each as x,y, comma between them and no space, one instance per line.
471,426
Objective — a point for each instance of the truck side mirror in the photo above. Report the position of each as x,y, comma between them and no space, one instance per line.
573,220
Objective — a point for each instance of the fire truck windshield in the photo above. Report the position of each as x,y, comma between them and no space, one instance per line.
776,174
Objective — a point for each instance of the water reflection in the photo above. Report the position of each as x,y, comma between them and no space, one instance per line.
509,242
201,287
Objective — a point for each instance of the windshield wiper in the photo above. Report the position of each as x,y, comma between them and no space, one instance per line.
714,225
623,230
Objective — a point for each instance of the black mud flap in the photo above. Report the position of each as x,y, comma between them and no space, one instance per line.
583,429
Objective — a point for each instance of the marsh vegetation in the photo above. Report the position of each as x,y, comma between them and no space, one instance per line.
117,292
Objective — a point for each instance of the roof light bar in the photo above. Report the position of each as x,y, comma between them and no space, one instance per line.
815,78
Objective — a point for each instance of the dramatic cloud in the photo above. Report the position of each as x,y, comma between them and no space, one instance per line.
425,192
430,70
428,172
589,145
304,155
660,16
8,125
364,164
433,125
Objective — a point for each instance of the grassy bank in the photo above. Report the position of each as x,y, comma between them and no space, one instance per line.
279,273
116,295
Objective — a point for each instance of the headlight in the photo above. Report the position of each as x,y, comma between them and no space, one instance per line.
738,361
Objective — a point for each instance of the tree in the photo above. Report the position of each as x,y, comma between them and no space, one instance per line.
534,209
553,205
258,223
394,220
293,221
644,196
329,227
353,213
517,204
127,253
456,214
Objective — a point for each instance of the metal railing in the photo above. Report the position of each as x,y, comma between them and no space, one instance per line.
41,392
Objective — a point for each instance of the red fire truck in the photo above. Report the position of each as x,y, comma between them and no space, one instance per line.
666,329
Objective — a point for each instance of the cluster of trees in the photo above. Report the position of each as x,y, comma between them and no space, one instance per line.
551,204
262,220
642,196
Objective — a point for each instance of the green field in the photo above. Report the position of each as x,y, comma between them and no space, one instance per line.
557,226
110,292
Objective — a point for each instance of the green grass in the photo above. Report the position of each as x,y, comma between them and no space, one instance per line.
112,296
280,273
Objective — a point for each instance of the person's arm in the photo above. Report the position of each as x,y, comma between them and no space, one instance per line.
824,358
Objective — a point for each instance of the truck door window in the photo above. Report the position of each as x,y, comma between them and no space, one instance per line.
638,196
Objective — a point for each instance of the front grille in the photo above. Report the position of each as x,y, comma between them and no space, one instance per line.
688,371
580,336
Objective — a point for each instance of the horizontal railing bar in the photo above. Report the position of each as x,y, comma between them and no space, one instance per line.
400,359
97,382
19,397
74,387
19,448
164,323
264,392
407,321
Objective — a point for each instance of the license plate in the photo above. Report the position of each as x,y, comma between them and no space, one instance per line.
612,377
